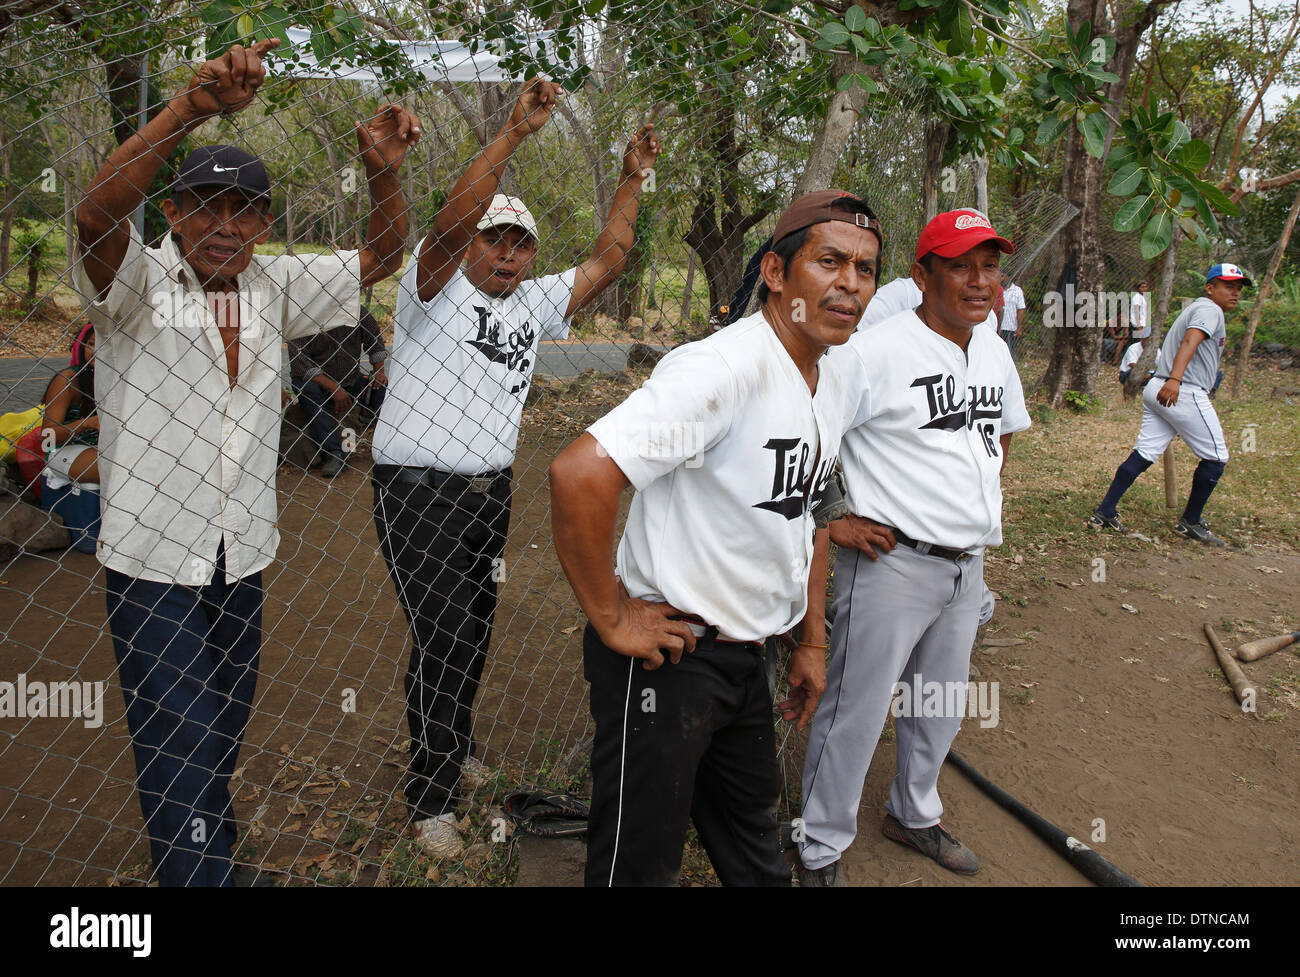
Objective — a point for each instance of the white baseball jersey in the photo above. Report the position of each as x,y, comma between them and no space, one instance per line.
726,448
1138,319
1131,356
921,450
460,370
900,295
1013,300
1203,370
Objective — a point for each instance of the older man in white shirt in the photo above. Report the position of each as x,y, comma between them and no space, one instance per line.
188,387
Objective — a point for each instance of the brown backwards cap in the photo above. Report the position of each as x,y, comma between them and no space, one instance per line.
818,207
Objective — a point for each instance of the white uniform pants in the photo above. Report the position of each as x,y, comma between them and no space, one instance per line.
904,618
1193,419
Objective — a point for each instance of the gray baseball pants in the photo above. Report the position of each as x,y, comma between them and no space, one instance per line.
905,618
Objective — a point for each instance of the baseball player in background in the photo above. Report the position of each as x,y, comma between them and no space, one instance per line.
727,445
922,454
1176,401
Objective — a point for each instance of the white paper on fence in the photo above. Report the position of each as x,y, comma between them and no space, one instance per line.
435,60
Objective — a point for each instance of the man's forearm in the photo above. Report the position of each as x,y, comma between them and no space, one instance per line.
584,515
386,229
123,181
472,193
618,236
813,629
1186,350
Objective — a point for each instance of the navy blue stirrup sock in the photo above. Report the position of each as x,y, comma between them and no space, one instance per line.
1204,479
1134,465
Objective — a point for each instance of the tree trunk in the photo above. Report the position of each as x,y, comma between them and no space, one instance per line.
936,141
981,167
288,219
7,220
718,222
690,284
1076,346
828,145
1159,315
1239,374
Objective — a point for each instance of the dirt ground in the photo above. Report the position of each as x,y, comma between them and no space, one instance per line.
1106,715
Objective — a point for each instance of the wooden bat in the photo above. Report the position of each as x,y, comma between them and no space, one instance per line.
1242,687
1171,479
1074,851
1254,650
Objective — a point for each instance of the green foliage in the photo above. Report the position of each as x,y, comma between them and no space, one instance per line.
1082,403
338,35
1279,322
1156,169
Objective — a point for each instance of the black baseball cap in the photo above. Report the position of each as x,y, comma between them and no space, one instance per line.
224,166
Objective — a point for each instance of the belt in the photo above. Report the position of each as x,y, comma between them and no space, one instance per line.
929,549
709,632
448,483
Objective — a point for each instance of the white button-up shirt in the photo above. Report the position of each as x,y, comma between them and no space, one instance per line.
186,461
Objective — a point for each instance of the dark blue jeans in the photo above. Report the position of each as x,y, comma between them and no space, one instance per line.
187,658
322,425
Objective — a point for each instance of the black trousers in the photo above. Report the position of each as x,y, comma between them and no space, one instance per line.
692,741
444,555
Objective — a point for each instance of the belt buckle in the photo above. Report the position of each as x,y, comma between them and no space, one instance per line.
961,557
480,485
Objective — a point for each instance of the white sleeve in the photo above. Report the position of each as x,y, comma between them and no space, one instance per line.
322,291
685,408
548,300
127,291
851,366
894,297
1015,415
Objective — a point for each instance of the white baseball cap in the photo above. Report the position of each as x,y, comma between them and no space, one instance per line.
507,211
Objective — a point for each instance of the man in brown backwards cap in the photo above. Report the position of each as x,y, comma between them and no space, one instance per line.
727,446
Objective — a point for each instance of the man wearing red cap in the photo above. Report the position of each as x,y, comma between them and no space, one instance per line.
923,453
727,445
1176,401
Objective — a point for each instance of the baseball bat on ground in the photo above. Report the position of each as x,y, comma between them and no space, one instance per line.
1087,861
1254,650
1242,687
1171,479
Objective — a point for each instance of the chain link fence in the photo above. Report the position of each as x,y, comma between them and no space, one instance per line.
318,784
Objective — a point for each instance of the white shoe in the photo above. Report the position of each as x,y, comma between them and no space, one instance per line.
439,836
474,773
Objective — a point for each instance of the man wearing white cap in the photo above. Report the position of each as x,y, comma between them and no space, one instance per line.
1176,401
466,331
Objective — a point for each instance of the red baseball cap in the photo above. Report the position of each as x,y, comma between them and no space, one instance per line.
956,232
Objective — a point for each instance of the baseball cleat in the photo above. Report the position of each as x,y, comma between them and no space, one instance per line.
1199,531
1099,521
833,874
933,842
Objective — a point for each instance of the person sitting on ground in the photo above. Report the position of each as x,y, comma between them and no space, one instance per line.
70,430
1116,335
1131,356
325,370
